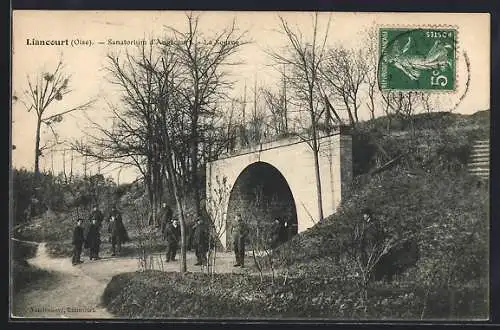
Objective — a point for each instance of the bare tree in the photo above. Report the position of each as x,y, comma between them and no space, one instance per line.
255,129
304,60
219,196
344,73
170,93
43,89
277,104
203,59
371,70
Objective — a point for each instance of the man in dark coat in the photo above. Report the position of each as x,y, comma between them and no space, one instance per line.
165,216
93,240
117,230
173,236
285,231
276,233
97,215
239,233
200,241
370,237
78,240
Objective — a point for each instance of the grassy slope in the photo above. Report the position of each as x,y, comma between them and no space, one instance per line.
429,187
156,294
22,272
56,229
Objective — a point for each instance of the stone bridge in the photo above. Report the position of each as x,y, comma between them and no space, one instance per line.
277,179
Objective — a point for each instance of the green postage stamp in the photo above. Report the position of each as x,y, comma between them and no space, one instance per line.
417,59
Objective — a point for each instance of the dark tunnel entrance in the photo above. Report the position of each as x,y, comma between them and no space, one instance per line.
261,194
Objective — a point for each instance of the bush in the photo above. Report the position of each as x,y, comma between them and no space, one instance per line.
23,251
51,227
24,275
154,294
441,141
428,121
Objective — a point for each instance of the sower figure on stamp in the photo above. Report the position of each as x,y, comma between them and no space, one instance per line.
200,237
93,240
117,231
173,236
239,233
78,240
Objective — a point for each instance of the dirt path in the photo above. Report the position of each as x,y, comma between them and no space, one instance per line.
78,291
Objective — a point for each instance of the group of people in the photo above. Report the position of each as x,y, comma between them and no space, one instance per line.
368,234
202,238
200,235
281,231
90,237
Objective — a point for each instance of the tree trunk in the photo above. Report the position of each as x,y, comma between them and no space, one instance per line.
316,163
37,149
169,164
349,112
36,177
285,100
194,161
372,102
183,264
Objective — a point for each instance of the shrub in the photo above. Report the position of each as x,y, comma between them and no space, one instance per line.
441,141
154,294
23,274
23,251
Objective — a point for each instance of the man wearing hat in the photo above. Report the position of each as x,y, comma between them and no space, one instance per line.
239,233
200,237
165,216
117,230
173,236
370,235
97,215
93,240
78,240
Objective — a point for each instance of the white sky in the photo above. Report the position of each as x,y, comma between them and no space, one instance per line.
88,77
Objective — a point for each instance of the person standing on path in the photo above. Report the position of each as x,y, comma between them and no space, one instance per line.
276,233
97,215
93,240
200,237
173,236
165,216
117,230
370,237
239,233
78,240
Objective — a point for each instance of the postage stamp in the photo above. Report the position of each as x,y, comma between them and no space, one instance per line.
417,59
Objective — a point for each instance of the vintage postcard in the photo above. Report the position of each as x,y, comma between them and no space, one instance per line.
250,165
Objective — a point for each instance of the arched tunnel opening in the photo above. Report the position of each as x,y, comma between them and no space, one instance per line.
261,195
